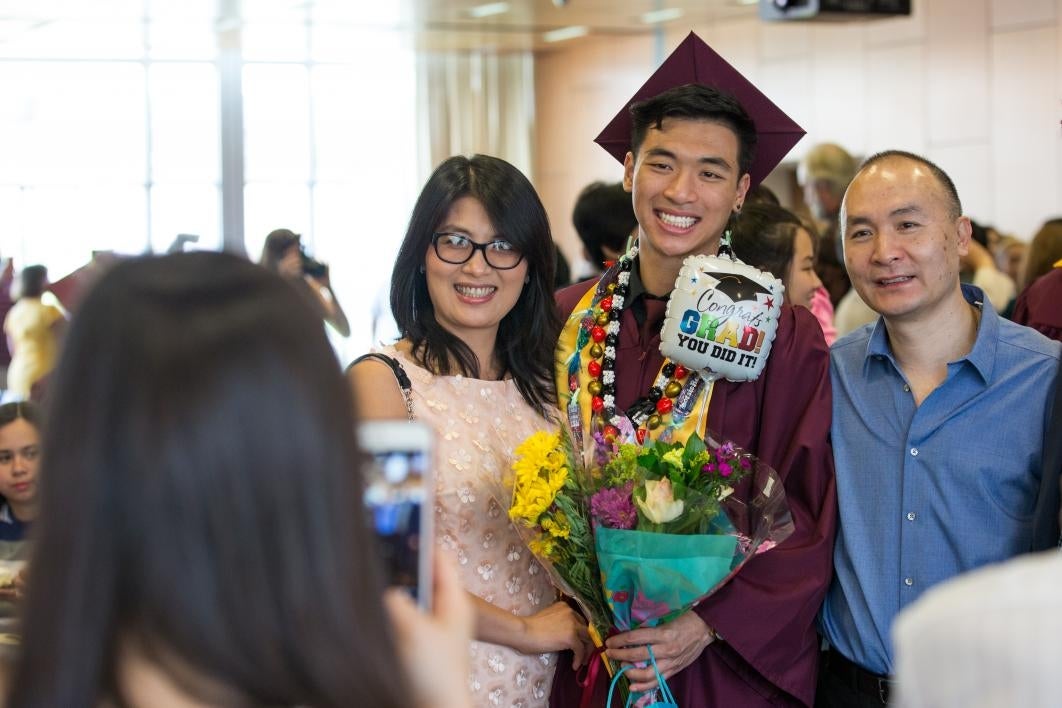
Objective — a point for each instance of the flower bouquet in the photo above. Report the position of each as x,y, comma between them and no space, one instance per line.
638,534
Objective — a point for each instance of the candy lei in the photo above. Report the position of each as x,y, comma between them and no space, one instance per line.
674,391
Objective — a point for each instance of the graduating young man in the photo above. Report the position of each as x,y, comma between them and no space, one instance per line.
689,166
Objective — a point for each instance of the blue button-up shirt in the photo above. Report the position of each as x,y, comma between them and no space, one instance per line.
929,491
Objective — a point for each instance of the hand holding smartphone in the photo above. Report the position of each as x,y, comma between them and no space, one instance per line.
399,502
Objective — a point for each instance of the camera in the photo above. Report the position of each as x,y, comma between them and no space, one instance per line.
310,265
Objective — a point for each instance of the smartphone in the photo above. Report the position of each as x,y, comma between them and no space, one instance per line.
399,492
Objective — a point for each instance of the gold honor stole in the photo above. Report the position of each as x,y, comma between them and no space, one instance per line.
690,413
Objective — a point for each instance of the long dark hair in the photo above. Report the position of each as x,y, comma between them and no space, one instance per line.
200,497
528,333
764,235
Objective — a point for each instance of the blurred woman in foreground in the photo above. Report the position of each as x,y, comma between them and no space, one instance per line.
202,540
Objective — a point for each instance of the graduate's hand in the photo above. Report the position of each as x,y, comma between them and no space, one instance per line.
676,645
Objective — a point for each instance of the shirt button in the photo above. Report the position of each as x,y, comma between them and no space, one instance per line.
910,516
908,582
906,388
914,452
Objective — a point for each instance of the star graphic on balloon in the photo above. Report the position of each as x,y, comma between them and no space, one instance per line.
770,302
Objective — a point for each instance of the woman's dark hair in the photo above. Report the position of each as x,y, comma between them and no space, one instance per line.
25,410
209,509
764,236
1044,251
32,281
276,245
528,333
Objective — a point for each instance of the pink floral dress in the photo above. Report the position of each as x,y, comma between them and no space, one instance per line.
479,423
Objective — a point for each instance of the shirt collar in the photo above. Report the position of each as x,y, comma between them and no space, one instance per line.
5,514
980,356
637,288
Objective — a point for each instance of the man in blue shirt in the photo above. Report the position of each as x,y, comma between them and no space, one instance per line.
940,413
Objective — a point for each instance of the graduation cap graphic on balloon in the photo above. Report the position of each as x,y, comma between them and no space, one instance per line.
740,288
694,62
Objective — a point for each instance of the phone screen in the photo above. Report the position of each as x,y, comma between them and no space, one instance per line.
395,500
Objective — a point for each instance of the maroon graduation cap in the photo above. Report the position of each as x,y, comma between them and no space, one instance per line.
694,62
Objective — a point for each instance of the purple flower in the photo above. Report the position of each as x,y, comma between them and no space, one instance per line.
745,464
724,469
708,468
614,507
726,449
603,450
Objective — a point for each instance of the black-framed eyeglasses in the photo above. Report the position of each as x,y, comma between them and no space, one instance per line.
458,248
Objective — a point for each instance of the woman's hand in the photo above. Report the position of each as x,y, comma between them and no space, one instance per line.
433,647
555,628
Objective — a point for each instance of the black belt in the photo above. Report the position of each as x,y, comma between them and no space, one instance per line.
859,679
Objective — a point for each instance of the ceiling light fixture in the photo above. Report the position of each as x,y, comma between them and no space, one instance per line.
559,35
657,16
747,2
488,10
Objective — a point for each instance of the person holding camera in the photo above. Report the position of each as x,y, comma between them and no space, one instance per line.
284,253
201,538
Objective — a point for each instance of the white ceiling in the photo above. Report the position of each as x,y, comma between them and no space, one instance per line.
433,24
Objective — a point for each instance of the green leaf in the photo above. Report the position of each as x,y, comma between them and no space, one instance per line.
694,447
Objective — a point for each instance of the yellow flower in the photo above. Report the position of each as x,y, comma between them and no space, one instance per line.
543,547
541,471
673,458
557,526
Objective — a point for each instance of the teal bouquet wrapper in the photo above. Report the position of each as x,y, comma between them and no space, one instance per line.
649,578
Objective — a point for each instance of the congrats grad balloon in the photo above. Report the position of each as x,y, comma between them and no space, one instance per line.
722,318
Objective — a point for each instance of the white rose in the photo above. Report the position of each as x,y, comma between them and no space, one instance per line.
660,505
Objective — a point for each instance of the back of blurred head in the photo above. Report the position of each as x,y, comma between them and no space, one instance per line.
604,219
1044,251
32,281
200,500
825,173
764,236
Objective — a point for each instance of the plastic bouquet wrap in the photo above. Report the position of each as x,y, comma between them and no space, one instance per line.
638,534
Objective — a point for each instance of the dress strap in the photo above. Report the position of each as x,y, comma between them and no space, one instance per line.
400,376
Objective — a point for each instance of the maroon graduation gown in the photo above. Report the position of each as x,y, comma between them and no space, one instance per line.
1040,305
765,614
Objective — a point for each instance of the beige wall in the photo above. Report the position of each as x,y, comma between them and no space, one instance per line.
976,85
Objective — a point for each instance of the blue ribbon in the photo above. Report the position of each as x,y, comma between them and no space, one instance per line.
665,691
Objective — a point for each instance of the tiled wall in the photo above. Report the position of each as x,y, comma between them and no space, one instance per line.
976,85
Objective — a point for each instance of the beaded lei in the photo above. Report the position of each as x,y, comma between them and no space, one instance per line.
667,403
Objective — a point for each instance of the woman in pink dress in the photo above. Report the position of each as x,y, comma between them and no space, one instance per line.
472,295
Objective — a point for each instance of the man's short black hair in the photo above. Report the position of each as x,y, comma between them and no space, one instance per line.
604,217
696,102
954,205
